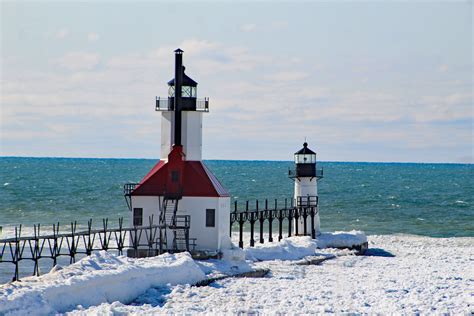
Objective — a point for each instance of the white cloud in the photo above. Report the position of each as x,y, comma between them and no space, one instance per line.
78,61
62,33
278,25
443,68
289,76
245,104
92,37
249,27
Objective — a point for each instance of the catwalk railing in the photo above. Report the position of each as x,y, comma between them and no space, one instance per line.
284,216
73,243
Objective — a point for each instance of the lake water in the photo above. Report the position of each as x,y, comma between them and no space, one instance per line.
379,198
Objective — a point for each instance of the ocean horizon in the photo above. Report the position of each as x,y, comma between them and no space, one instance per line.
430,199
265,160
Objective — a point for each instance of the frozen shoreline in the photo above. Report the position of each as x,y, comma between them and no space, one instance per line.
424,274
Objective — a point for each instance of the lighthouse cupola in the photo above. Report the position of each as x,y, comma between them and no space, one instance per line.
305,161
188,92
182,111
306,176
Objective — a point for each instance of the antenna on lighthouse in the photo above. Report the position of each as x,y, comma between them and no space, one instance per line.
178,83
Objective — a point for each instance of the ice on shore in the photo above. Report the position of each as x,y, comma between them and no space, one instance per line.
291,248
294,248
402,274
341,239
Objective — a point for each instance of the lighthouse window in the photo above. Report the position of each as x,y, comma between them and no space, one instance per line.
171,91
210,217
305,158
137,217
186,91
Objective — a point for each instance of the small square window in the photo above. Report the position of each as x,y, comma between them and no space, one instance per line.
137,217
210,217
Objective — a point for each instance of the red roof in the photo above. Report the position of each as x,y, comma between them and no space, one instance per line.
197,180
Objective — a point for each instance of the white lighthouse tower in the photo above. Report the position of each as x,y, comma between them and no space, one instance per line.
306,176
180,192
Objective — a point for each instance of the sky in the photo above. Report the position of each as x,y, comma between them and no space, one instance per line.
360,81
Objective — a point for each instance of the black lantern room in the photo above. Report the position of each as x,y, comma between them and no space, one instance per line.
188,92
188,100
305,164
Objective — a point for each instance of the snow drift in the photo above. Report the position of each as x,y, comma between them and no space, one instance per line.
100,278
104,278
294,248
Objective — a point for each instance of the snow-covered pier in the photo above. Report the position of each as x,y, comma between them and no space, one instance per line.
265,223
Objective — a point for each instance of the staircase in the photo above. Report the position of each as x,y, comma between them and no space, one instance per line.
178,224
168,212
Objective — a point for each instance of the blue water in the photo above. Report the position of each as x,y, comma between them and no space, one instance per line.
379,198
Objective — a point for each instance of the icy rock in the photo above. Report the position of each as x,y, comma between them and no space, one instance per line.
341,239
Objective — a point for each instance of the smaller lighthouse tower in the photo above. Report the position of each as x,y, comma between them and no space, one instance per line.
306,176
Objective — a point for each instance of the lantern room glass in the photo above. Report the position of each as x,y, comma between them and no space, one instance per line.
186,92
305,158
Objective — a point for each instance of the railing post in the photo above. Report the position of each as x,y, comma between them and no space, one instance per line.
280,225
305,215
261,217
290,220
296,216
270,223
252,223
241,230
312,214
252,241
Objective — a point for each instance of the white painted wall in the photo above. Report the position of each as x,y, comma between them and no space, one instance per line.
191,134
207,238
167,133
303,187
306,186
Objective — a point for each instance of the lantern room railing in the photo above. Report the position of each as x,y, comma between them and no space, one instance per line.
128,188
318,174
202,105
309,200
166,104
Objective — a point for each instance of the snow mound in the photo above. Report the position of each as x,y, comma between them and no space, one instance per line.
341,239
100,278
297,247
291,248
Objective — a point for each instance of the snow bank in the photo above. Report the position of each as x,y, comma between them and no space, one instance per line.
99,278
425,276
298,247
291,248
341,239
105,278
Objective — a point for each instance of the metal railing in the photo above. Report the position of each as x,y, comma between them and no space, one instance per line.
73,242
166,104
128,188
319,174
202,105
163,104
309,200
287,212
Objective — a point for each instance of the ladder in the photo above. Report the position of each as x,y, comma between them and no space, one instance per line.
181,239
168,209
178,224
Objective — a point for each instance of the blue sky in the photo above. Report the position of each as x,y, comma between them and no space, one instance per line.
362,81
